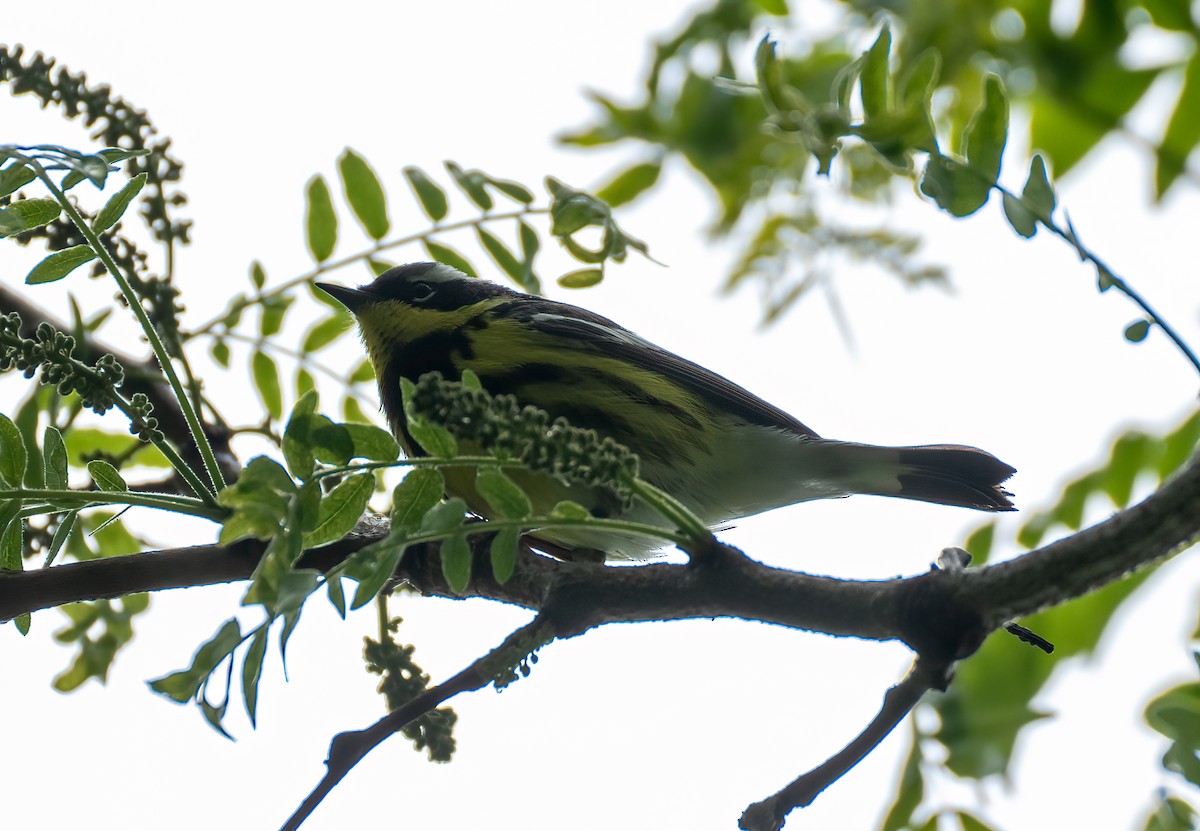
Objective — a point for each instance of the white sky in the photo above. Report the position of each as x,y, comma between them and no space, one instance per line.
667,726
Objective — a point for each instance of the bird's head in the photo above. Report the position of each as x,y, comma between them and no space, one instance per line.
411,302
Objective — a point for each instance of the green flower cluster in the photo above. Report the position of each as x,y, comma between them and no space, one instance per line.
52,351
505,429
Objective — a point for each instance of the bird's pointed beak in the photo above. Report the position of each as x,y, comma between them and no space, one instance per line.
352,299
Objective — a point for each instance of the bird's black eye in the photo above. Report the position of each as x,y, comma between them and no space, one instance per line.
421,292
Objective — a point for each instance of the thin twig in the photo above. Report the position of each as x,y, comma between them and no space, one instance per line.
348,749
898,702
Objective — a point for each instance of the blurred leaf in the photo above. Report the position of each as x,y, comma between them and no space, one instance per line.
115,208
320,221
581,278
362,373
1137,331
220,352
364,193
875,80
1171,814
266,381
431,197
500,254
447,255
258,276
1176,714
471,183
630,183
956,188
252,666
273,310
59,264
436,440
1182,133
911,790
326,332
987,131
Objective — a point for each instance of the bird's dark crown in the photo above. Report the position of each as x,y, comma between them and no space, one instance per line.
432,286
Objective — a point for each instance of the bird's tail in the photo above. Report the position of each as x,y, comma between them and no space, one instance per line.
946,474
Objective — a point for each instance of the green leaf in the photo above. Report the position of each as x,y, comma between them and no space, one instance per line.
341,509
54,459
513,190
987,131
1038,193
1137,331
26,214
383,558
305,383
320,221
504,553
364,193
379,266
956,188
352,412
373,443
12,535
444,518
1182,133
1019,217
184,685
272,313
220,352
59,264
911,791
501,255
1171,814
266,381
447,255
630,183
431,197
503,494
581,278
875,80
971,823
436,440
337,596
115,208
309,437
415,496
326,332
106,476
12,453
258,275
61,534
259,499
363,372
456,562
471,183
17,175
252,666
569,510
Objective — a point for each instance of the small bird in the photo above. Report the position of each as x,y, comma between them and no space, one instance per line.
722,451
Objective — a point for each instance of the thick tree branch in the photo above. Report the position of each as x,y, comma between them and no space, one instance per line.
940,614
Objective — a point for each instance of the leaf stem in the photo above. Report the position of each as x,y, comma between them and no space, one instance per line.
160,352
